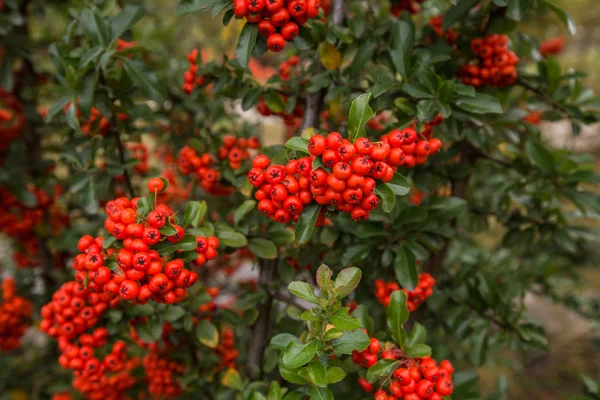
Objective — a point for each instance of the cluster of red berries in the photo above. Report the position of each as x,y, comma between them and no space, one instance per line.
414,379
292,120
204,168
141,273
495,66
70,318
287,67
533,118
12,120
355,169
278,20
15,312
139,151
96,123
162,375
226,349
190,77
552,46
113,377
20,221
399,6
235,150
436,23
408,148
210,306
283,190
414,298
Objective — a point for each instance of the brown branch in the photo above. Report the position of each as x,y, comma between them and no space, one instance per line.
288,301
469,155
262,326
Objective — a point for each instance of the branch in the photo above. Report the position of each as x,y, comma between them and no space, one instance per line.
546,99
288,301
115,131
261,328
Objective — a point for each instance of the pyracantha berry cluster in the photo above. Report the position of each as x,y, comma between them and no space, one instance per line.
408,148
20,221
437,25
289,67
96,124
399,6
414,298
15,313
293,119
12,120
414,379
495,66
140,273
162,373
235,150
139,151
226,349
552,46
190,77
204,169
278,20
71,318
283,190
533,118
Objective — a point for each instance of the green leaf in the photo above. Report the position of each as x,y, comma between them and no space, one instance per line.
517,8
418,335
173,313
207,334
296,355
298,144
397,314
243,210
319,393
274,101
94,26
251,98
480,104
194,212
352,340
387,196
399,184
186,244
306,223
479,347
563,15
232,239
262,248
402,46
232,379
419,351
71,116
246,43
458,12
383,368
346,281
304,291
274,391
335,375
363,56
360,114
141,77
324,281
282,340
125,20
291,375
149,332
341,320
427,110
406,269
57,107
192,6
417,91
317,373
540,156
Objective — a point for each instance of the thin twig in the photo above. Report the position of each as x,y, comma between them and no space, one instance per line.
288,301
546,99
